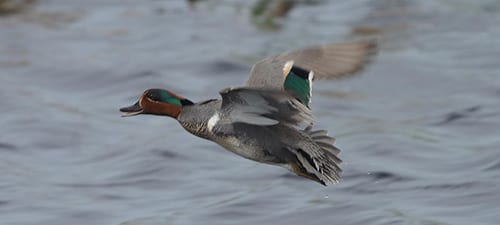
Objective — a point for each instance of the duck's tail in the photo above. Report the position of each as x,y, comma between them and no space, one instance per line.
318,160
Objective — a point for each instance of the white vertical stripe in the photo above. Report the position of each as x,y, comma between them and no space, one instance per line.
213,121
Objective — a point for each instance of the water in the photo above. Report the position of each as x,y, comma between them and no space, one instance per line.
419,129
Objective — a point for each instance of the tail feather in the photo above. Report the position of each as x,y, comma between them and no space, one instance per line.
301,171
318,161
324,139
316,132
331,150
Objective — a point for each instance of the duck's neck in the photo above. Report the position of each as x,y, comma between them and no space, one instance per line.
194,118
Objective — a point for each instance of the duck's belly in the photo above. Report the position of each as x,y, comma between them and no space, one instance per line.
248,149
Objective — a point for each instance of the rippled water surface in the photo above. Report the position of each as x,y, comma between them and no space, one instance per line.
419,129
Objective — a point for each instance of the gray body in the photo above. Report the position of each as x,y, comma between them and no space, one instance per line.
272,135
263,123
243,139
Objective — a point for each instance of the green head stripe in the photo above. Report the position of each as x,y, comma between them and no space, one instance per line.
169,98
160,95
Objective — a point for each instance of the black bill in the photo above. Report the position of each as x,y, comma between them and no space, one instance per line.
132,110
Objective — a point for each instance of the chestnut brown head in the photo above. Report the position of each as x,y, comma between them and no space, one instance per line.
157,102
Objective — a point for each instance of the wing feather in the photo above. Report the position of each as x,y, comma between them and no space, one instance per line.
262,107
329,61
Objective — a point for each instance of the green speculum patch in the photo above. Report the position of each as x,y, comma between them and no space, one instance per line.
299,87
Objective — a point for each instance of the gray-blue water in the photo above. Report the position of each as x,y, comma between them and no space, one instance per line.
419,129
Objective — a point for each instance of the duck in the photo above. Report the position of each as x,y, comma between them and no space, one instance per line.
268,119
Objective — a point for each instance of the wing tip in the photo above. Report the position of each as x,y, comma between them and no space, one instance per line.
369,49
372,48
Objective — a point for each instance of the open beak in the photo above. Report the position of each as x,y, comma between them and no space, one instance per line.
132,110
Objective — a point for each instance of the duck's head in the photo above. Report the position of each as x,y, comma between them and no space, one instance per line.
157,102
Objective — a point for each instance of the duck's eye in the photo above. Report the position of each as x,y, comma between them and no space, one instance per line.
151,96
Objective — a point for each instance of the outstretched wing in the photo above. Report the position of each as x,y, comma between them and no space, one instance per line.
327,62
261,107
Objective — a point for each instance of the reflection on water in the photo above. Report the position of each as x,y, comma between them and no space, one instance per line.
9,7
419,129
266,13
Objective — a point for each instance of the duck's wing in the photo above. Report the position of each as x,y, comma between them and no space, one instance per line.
329,61
261,107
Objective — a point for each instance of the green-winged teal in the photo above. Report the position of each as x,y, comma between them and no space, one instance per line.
268,120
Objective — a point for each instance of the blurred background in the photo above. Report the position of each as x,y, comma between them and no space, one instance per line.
419,129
